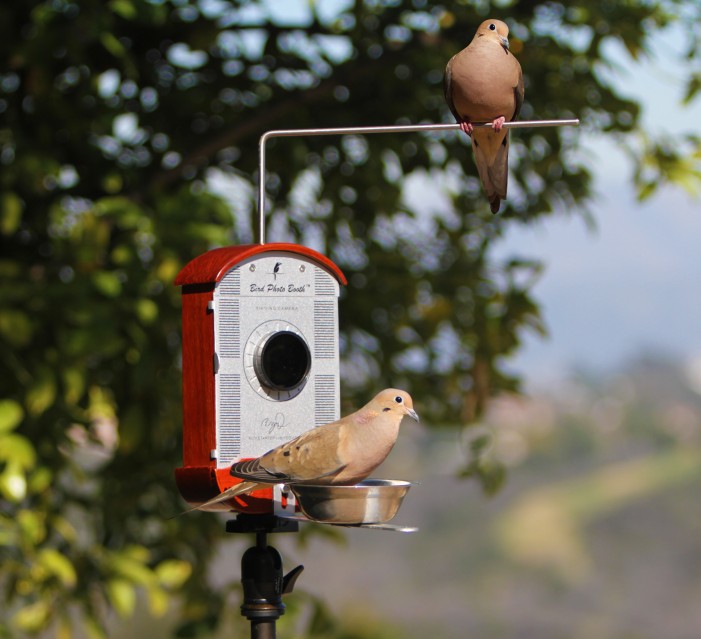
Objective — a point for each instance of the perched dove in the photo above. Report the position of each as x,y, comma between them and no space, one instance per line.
484,83
342,452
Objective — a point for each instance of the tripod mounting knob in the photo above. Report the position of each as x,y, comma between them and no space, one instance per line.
263,582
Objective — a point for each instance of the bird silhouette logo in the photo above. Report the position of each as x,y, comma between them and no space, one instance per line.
276,269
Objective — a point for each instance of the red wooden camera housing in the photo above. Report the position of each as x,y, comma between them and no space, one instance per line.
260,360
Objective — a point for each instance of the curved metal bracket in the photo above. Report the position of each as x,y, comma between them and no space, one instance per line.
365,130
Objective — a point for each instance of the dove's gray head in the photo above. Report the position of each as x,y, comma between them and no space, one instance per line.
494,30
395,401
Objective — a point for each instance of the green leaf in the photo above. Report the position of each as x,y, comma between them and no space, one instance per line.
147,311
40,479
158,601
42,392
107,283
10,213
122,596
646,190
122,254
93,628
112,183
32,525
64,629
11,414
167,270
64,528
112,44
692,89
15,327
33,617
58,565
18,451
13,483
481,444
173,573
124,8
73,384
137,553
8,531
130,564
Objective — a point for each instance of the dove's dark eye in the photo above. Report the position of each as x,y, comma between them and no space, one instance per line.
492,27
398,399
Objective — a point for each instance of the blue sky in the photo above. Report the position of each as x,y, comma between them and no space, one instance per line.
632,285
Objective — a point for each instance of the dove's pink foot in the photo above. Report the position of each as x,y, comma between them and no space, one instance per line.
498,123
466,127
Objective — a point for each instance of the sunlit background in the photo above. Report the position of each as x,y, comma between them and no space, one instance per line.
596,534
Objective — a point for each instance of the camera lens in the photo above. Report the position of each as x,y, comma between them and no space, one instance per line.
283,361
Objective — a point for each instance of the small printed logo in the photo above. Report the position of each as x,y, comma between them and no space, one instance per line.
279,289
273,424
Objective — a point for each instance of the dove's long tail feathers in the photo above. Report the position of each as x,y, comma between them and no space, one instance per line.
494,170
229,493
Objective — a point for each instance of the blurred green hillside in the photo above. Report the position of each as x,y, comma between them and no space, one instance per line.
596,535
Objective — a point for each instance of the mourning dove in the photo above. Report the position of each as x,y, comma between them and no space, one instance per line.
343,452
484,83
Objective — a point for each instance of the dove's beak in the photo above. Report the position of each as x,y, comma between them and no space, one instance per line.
412,413
504,42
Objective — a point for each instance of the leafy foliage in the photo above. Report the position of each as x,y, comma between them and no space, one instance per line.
116,119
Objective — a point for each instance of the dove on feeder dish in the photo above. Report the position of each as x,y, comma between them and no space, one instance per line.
343,452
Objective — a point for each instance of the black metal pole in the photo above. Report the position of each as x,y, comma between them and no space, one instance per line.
261,573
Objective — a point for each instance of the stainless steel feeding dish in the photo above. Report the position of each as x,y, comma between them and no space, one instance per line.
372,501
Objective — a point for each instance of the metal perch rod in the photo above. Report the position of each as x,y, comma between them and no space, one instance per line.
363,130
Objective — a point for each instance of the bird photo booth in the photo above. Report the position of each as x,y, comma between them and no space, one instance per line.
260,348
260,360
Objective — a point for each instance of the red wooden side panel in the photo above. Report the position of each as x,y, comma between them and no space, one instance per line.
199,436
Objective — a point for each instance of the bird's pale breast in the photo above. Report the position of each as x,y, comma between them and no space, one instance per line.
483,83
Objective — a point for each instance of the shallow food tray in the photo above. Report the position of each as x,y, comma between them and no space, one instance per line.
372,501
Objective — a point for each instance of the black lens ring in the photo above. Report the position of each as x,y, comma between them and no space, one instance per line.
282,361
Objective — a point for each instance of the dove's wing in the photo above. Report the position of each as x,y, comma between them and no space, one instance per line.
448,89
519,90
312,455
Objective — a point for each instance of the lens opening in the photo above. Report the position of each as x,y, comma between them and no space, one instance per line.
282,361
